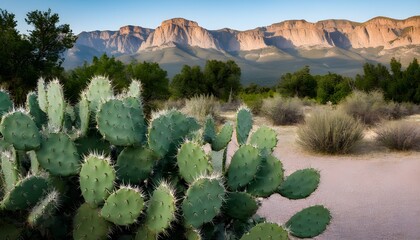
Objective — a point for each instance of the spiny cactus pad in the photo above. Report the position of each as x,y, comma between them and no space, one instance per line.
88,225
83,116
143,233
270,231
300,184
5,103
135,164
243,167
19,129
44,209
56,104
58,154
168,129
192,161
97,178
203,201
39,116
309,222
98,91
243,124
42,95
161,208
123,207
240,205
134,90
209,130
264,138
9,169
268,178
223,138
192,234
26,193
121,122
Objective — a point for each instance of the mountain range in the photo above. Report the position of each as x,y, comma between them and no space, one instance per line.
263,53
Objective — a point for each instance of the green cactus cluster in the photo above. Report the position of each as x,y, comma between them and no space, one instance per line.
101,170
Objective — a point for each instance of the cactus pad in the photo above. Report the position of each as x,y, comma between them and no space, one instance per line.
161,208
83,116
58,155
168,129
121,122
44,209
88,225
203,201
243,166
192,234
9,169
56,104
300,184
38,115
270,231
27,192
134,90
243,125
264,138
240,205
209,130
123,207
42,95
309,222
223,138
143,233
135,164
19,129
192,161
97,178
268,179
5,103
98,91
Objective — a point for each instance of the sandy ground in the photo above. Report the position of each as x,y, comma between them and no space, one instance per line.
372,193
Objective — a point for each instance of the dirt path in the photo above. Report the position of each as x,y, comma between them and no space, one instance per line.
372,194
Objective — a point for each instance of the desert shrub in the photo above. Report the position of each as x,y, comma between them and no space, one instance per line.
330,132
283,111
255,100
369,108
174,103
201,106
399,135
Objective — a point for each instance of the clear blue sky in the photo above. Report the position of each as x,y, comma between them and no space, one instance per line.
88,15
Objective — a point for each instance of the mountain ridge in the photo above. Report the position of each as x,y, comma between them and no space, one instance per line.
297,41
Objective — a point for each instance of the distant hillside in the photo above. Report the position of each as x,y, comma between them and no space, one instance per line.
263,53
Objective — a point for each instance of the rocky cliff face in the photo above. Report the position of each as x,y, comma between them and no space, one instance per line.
377,32
125,41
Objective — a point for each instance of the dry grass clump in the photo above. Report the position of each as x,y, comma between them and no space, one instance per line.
283,111
177,104
201,106
399,135
369,108
332,132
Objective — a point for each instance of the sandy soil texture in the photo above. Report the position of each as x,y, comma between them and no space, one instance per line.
372,193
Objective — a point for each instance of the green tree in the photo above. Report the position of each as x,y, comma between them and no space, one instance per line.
49,40
77,79
298,84
332,87
153,78
188,83
373,78
222,78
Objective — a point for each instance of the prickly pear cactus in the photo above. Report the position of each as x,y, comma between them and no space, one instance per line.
18,128
101,170
97,177
124,206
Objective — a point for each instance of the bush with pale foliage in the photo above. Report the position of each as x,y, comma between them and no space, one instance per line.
399,135
201,106
331,132
283,111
